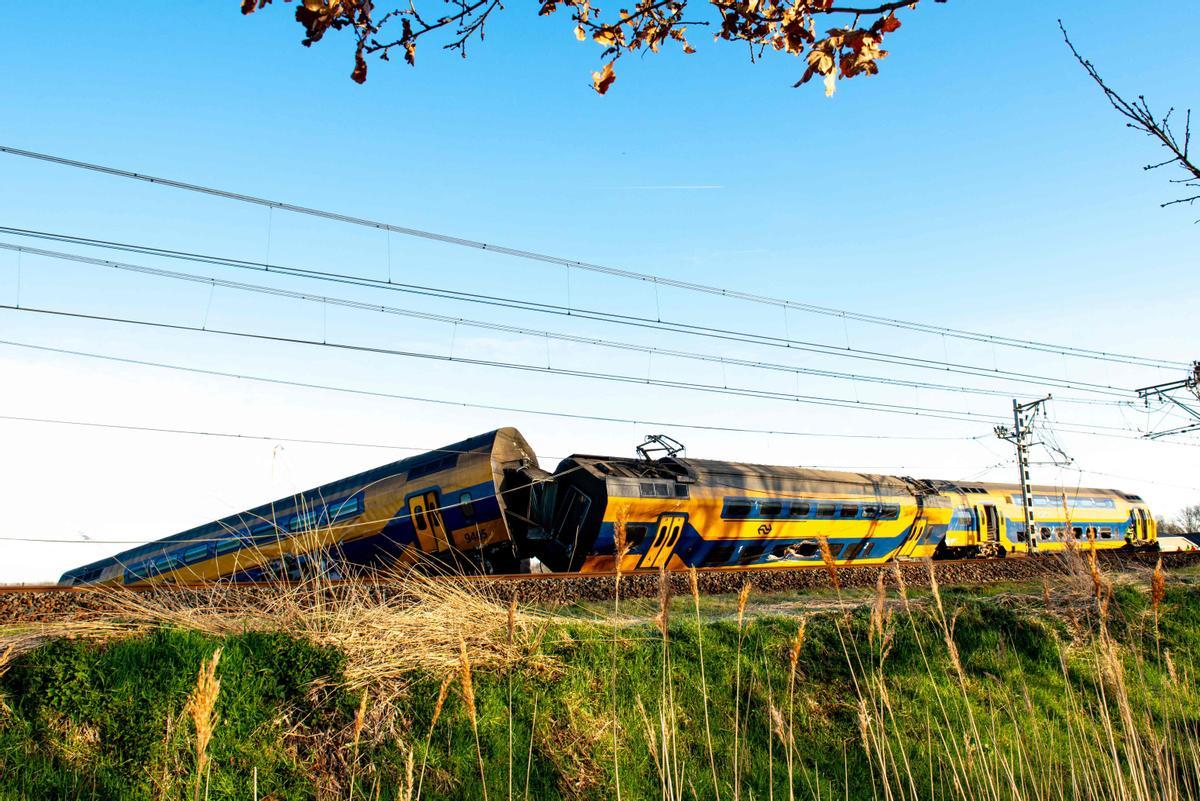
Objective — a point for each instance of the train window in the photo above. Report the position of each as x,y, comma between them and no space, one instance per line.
848,510
826,509
225,546
303,521
718,555
647,490
1077,531
835,548
681,491
1106,533
1045,532
770,509
419,517
197,553
889,511
137,572
737,509
265,525
800,509
870,511
431,466
165,564
466,505
634,536
750,553
266,538
347,508
662,490
854,550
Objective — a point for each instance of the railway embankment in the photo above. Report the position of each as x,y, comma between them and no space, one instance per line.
1079,688
34,603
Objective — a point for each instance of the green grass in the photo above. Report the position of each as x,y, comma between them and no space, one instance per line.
106,721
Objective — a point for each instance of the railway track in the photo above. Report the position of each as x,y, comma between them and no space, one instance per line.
34,602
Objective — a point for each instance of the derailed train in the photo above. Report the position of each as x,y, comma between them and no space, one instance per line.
485,505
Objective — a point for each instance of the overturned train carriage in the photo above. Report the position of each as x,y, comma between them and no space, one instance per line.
484,504
445,507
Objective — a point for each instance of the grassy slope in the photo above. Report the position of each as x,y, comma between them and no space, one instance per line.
105,721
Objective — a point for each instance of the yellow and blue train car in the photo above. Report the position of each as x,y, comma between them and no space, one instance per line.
989,519
485,505
678,513
444,506
681,513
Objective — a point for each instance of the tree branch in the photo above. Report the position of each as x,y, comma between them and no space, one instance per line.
786,26
1141,118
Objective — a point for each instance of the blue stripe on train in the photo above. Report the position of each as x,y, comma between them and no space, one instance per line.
697,551
1015,528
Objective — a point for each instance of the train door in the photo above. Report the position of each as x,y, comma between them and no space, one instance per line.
919,527
987,526
424,509
1139,529
666,536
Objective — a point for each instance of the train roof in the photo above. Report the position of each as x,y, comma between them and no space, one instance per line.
752,477
321,494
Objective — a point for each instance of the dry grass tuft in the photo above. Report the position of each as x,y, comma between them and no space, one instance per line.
76,743
24,637
387,630
901,586
468,686
1158,586
743,596
201,708
468,690
878,608
6,659
620,537
797,645
830,564
663,618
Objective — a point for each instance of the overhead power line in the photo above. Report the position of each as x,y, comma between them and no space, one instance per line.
511,329
817,400
688,329
234,435
338,443
568,263
484,406
915,411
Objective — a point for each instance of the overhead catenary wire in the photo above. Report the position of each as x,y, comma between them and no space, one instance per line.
326,301
341,443
1013,342
817,400
477,405
915,411
677,327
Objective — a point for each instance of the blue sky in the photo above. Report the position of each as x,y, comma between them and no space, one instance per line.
980,181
